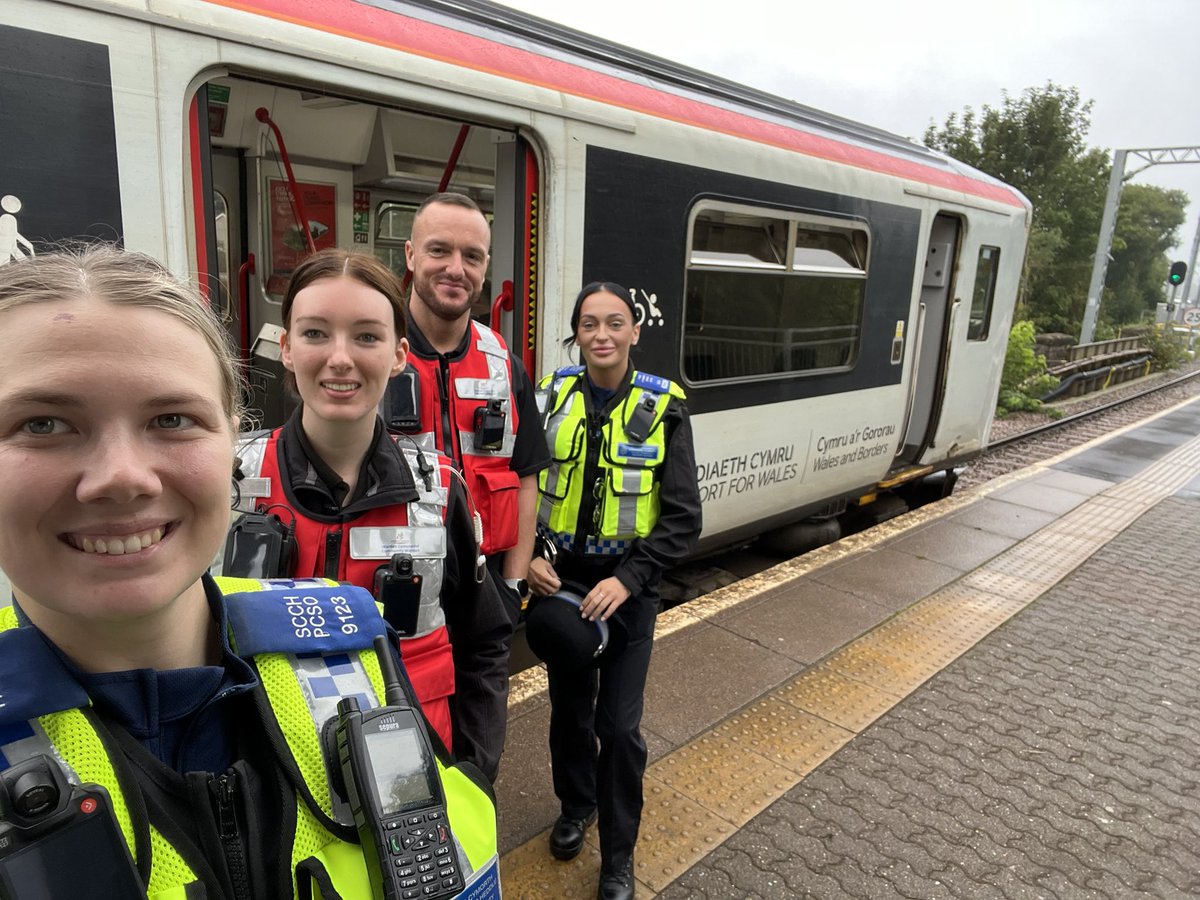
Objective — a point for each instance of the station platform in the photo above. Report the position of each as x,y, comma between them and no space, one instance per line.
993,696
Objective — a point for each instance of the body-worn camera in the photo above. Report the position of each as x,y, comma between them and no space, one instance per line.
398,588
45,824
259,545
489,426
642,417
387,772
402,413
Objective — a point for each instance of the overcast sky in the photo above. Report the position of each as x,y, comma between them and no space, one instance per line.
900,65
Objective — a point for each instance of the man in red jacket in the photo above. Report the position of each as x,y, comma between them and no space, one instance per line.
465,394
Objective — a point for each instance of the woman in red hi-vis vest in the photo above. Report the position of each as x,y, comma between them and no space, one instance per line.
374,511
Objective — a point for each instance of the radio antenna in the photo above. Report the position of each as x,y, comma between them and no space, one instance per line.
393,686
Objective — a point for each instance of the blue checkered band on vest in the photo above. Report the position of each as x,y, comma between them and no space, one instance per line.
594,546
327,678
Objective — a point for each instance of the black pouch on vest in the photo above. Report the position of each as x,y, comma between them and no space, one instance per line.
398,588
638,426
489,426
259,546
402,402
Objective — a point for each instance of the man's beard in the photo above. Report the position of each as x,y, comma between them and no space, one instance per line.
439,307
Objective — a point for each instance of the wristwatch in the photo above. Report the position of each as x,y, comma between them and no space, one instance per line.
520,585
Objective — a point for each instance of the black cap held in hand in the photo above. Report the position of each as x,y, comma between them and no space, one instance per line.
559,636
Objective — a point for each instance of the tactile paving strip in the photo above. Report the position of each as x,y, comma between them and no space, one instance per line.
531,873
677,831
702,792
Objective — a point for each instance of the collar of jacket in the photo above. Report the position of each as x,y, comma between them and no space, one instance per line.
419,345
614,401
57,684
386,473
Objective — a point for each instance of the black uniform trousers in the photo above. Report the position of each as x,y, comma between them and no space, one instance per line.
605,703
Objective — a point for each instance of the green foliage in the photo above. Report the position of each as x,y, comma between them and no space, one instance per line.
1147,227
1037,143
1025,378
1168,348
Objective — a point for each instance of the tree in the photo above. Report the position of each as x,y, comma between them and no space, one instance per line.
1024,378
1037,143
1147,227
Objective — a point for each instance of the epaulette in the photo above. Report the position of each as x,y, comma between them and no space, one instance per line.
299,616
658,384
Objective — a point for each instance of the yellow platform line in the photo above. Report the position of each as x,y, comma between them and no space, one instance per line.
704,791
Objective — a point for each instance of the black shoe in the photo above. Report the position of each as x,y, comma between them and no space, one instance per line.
566,837
616,885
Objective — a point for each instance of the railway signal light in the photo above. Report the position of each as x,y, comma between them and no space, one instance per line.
1178,271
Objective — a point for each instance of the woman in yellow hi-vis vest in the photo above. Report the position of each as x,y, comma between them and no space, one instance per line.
619,504
161,734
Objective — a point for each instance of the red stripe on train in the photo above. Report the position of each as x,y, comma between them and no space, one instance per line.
393,30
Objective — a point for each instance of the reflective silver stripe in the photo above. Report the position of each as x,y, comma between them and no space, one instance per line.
627,502
564,389
251,452
424,440
488,342
466,441
545,505
37,744
322,688
428,510
500,386
562,413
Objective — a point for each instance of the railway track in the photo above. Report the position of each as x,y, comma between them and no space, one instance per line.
1034,440
1018,442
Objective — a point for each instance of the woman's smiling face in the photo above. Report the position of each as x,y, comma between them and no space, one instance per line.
117,456
342,347
605,333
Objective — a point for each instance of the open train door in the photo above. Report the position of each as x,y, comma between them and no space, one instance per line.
984,294
967,296
930,347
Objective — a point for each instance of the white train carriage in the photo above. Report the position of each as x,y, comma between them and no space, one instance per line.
835,299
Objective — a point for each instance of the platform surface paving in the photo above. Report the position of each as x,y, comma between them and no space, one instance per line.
993,698
1056,759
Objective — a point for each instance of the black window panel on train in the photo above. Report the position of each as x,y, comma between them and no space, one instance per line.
983,294
768,295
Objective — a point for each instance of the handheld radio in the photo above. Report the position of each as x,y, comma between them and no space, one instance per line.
45,822
390,776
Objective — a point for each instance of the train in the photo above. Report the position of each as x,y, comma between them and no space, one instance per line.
835,299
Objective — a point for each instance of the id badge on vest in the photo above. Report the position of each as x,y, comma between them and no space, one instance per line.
417,541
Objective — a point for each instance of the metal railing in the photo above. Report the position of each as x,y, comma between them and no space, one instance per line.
731,351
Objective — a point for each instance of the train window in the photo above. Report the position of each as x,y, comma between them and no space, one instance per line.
770,294
394,220
984,293
394,225
841,252
728,239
